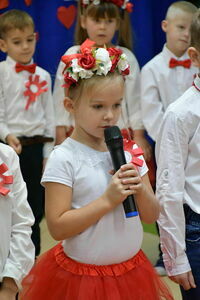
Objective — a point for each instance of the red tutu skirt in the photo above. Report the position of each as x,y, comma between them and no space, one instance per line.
57,277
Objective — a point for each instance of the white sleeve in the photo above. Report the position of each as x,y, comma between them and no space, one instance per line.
132,92
48,106
151,104
22,252
4,131
63,117
171,156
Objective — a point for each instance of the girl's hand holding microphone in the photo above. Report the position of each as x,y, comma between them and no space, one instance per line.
126,181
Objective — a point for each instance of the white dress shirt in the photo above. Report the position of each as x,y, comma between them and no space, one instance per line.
160,86
14,118
17,253
131,107
178,180
112,239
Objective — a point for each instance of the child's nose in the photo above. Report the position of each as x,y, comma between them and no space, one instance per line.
108,115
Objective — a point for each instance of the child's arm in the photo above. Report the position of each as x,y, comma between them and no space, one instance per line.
141,141
151,104
64,222
8,289
21,251
133,104
49,115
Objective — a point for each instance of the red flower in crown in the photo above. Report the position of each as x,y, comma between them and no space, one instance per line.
4,180
114,56
87,61
69,80
124,4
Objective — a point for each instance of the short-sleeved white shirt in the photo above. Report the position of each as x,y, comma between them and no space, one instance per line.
114,238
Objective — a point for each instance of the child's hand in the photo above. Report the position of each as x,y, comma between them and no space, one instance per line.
126,181
14,142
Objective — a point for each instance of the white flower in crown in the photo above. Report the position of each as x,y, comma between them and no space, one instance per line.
96,2
122,63
103,61
85,2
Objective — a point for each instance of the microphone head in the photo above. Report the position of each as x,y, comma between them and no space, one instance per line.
112,133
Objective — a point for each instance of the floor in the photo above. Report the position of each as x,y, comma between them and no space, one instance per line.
150,247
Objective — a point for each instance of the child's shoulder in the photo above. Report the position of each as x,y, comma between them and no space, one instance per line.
156,61
42,72
72,50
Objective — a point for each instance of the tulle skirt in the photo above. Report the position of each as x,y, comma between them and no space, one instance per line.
57,277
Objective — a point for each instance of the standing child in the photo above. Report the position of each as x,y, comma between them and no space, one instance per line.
26,106
99,257
168,75
17,252
100,21
178,182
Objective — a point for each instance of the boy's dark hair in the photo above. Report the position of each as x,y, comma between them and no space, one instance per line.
195,30
14,19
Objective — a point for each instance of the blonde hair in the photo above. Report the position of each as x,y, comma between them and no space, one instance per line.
86,87
195,30
179,7
14,19
102,10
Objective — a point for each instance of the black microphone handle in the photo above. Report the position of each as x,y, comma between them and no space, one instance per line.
118,159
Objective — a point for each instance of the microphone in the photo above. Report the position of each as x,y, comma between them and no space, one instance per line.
114,142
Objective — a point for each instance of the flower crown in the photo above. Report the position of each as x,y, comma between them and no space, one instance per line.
124,4
93,61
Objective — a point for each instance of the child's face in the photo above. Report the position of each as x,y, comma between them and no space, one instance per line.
100,31
103,109
178,33
19,44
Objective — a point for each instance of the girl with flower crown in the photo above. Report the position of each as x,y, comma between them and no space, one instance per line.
99,256
17,252
101,21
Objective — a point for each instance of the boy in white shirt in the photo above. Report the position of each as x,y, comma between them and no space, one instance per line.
26,106
168,75
17,252
178,182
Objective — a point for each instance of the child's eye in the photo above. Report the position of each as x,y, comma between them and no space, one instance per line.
30,40
16,42
97,106
117,105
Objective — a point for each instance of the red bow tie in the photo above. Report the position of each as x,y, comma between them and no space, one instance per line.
184,63
28,68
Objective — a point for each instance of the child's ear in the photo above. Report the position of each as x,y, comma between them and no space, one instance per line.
3,46
194,55
164,24
69,105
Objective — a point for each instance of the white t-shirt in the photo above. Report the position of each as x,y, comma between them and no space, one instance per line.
131,106
17,252
114,238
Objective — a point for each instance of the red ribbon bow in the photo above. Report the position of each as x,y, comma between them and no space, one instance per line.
173,63
4,179
28,68
128,146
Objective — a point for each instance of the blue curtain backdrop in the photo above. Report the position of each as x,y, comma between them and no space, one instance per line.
55,23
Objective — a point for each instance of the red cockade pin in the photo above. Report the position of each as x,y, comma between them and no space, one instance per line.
4,179
132,154
34,88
